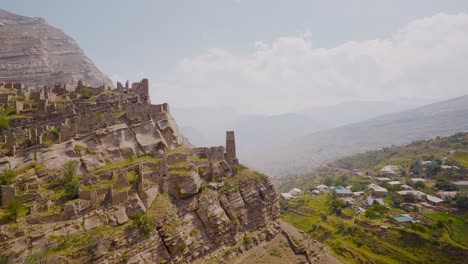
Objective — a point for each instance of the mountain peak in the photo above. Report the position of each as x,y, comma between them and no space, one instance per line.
37,54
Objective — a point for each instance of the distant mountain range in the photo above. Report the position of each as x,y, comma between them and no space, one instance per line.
303,153
35,53
206,126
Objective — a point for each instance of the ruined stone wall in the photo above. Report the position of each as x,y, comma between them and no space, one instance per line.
90,195
8,193
120,197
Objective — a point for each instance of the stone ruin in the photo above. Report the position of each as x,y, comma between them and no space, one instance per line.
231,157
56,114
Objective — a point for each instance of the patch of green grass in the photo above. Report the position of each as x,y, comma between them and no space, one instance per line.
126,162
353,243
462,157
457,225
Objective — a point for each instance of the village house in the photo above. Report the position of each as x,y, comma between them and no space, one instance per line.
382,179
390,170
287,196
322,188
295,192
444,195
434,200
428,163
406,187
418,180
420,196
461,184
379,191
394,183
358,193
341,192
446,167
402,219
371,201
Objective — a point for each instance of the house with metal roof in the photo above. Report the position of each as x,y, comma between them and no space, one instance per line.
402,219
341,191
434,200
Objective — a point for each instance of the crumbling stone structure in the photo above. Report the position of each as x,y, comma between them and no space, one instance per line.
231,148
8,193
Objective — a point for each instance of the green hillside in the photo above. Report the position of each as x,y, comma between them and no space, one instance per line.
361,233
405,156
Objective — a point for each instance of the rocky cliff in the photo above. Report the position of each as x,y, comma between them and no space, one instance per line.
35,53
101,175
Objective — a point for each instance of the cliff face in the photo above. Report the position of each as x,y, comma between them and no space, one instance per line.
93,174
99,175
35,53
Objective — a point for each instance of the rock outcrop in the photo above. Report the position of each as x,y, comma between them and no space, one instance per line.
35,53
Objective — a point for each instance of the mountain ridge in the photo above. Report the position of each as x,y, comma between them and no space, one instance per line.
301,154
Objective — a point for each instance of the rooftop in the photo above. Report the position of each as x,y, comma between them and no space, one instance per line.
342,190
434,199
403,218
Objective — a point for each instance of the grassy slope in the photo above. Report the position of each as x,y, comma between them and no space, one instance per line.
373,161
382,246
354,243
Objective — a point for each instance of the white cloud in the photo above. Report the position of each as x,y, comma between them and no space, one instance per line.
427,58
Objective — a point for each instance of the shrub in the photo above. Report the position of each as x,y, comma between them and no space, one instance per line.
143,222
444,185
15,209
4,123
337,205
71,189
376,211
55,132
247,240
7,177
86,93
323,215
462,201
201,171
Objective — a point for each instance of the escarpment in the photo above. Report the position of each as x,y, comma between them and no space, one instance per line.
102,175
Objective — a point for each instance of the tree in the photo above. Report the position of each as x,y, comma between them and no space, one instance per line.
410,198
462,201
7,177
440,224
336,206
69,169
444,185
419,185
72,185
15,209
4,123
328,181
396,201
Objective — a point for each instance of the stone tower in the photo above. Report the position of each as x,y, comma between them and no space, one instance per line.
231,148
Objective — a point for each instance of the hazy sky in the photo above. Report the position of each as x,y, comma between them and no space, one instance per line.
269,56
